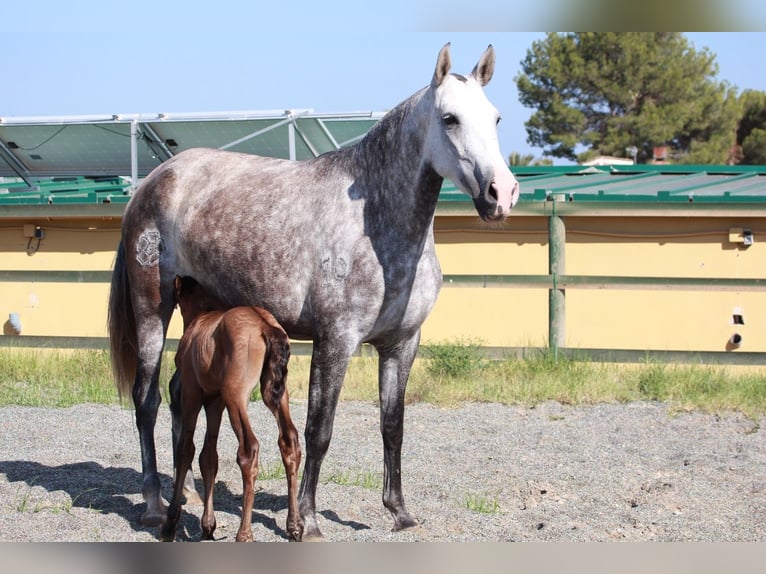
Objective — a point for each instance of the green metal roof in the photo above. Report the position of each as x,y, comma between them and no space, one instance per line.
87,159
646,184
67,190
640,184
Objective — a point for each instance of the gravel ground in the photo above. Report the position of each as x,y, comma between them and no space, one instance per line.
635,472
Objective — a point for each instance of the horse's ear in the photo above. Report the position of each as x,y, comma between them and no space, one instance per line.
443,65
486,67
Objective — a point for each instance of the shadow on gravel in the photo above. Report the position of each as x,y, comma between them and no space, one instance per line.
106,490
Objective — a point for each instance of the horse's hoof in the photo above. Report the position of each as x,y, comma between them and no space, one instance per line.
295,535
407,523
313,535
167,536
207,534
244,537
153,518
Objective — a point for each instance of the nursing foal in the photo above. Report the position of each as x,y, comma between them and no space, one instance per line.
220,357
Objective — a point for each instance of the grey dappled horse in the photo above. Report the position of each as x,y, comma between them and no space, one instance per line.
339,248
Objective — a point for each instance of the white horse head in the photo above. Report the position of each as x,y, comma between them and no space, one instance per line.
462,137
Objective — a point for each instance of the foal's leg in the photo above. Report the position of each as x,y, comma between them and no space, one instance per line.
290,449
185,455
208,464
247,458
189,490
394,370
328,367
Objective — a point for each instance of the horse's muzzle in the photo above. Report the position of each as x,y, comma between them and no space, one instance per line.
500,200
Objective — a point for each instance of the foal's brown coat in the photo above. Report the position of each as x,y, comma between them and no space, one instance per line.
220,356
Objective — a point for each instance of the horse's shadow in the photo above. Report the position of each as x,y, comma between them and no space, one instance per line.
107,490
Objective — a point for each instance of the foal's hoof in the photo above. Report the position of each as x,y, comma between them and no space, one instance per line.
295,535
244,537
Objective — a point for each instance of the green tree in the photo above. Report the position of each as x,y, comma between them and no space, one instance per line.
751,131
516,159
602,93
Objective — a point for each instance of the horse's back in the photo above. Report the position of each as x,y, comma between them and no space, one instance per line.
229,344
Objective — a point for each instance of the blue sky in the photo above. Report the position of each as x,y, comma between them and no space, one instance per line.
89,57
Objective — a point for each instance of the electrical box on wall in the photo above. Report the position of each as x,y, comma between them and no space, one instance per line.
741,236
33,231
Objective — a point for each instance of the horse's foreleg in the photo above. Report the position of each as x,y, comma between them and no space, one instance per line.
247,459
208,465
189,490
290,449
394,370
328,367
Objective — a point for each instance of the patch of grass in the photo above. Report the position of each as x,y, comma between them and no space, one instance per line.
482,503
24,502
364,478
55,378
446,374
273,471
454,359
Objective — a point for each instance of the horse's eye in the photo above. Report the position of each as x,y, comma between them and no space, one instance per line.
449,119
499,119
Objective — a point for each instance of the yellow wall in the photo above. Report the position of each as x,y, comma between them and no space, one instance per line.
659,319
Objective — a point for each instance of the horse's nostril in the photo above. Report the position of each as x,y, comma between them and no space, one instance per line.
493,191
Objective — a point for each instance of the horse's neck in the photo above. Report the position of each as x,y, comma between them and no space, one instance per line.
400,185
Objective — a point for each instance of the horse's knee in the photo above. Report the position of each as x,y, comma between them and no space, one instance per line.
247,454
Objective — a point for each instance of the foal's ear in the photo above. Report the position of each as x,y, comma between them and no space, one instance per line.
486,67
443,65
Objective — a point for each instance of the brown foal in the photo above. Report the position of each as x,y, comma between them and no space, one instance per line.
220,357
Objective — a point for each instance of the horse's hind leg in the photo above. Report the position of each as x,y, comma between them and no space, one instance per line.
247,459
189,490
152,307
208,464
394,370
146,398
290,449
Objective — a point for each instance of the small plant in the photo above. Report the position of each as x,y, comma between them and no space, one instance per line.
482,503
365,479
21,504
455,359
271,471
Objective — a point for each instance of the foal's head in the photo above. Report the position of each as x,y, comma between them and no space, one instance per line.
193,300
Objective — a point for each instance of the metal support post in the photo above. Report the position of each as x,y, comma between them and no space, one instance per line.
556,267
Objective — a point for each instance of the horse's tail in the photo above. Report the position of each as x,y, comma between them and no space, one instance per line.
275,366
121,321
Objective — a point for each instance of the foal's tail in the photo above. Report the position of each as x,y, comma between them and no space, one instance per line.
275,366
121,322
